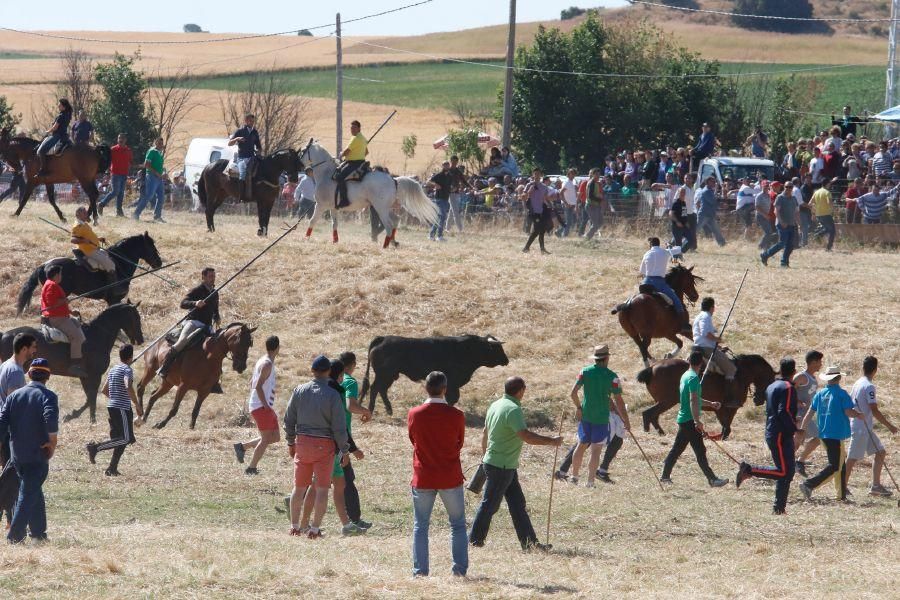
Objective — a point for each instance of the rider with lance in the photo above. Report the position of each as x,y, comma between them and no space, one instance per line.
56,313
88,244
204,313
706,339
353,156
247,140
57,133
653,268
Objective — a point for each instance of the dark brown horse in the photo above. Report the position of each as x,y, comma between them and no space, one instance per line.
645,317
662,381
198,368
214,185
15,152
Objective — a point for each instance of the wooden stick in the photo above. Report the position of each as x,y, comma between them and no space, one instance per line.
646,459
562,420
724,451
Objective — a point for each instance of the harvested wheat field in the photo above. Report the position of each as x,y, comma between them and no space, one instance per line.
184,522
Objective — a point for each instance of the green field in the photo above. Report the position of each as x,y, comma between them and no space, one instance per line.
9,55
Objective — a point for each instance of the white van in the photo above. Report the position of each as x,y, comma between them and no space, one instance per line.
734,168
200,153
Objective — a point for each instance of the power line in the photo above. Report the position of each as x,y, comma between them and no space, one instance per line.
210,40
769,17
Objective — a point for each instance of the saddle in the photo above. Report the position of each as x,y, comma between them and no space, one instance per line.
356,174
82,261
651,291
53,335
197,338
60,147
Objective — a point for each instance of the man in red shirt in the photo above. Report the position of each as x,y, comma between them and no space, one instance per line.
55,309
856,189
122,158
437,431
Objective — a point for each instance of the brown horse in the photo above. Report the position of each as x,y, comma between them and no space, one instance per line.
645,317
80,162
662,381
198,368
15,152
214,185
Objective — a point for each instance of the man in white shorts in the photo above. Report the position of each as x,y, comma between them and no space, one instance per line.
616,438
806,385
863,440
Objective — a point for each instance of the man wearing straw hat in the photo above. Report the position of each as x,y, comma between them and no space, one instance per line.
833,408
864,441
592,413
31,418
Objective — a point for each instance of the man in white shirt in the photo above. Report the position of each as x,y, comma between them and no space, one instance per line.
653,268
863,440
690,213
706,338
261,405
816,167
305,196
745,202
570,202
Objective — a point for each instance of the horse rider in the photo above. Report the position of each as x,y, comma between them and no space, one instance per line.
58,132
353,156
56,313
653,268
203,302
707,339
247,140
88,244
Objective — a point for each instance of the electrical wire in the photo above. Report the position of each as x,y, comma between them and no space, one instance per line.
765,17
211,40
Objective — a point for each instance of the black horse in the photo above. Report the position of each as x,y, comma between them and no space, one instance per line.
214,186
78,279
100,336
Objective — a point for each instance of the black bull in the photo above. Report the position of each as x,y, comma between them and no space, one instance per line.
457,357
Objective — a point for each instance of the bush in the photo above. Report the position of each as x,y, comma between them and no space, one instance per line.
571,13
305,32
192,28
800,9
123,109
8,119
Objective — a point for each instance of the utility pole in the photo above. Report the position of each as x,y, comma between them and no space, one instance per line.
339,117
508,88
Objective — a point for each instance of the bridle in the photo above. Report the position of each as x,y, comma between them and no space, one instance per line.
306,153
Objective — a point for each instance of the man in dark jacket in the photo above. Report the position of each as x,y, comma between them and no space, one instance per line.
203,303
247,140
30,417
781,424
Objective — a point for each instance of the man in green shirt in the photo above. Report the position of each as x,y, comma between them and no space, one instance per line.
592,412
690,427
501,441
153,182
352,405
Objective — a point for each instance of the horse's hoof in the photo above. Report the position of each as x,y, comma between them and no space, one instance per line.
68,418
159,425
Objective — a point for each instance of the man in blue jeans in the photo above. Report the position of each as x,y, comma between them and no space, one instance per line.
504,432
437,431
121,156
31,418
786,210
153,182
442,182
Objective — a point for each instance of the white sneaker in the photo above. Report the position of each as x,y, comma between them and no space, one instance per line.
352,528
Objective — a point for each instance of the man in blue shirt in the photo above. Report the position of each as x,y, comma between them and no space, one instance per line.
707,204
833,408
706,145
82,130
781,424
31,417
247,140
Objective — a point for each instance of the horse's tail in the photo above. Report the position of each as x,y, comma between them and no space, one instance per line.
27,290
365,384
412,197
620,308
201,189
645,375
105,155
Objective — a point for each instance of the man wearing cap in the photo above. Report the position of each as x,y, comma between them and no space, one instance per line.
653,268
314,425
786,222
863,440
501,441
781,424
690,425
823,210
592,412
30,416
832,407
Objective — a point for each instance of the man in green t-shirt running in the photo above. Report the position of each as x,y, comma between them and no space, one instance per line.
592,412
690,427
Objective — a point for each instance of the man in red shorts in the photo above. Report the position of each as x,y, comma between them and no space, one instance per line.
262,402
315,426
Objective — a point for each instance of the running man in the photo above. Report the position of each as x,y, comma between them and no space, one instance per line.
262,407
119,388
806,385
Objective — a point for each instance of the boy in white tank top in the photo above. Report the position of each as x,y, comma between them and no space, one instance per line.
261,406
806,385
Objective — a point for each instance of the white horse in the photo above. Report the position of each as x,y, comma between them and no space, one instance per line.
378,190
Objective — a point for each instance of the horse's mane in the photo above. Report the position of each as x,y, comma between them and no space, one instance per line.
232,325
753,358
22,139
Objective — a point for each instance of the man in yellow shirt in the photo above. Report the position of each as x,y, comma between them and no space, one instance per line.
353,156
824,212
88,243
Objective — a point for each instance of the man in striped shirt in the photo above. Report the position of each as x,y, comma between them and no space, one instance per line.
873,204
119,388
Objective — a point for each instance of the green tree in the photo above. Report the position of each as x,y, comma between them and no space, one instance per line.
123,108
8,118
570,13
557,114
408,147
192,28
797,9
791,97
464,144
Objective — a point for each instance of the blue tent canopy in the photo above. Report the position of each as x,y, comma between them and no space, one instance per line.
891,114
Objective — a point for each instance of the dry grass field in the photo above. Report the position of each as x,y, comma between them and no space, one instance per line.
184,522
